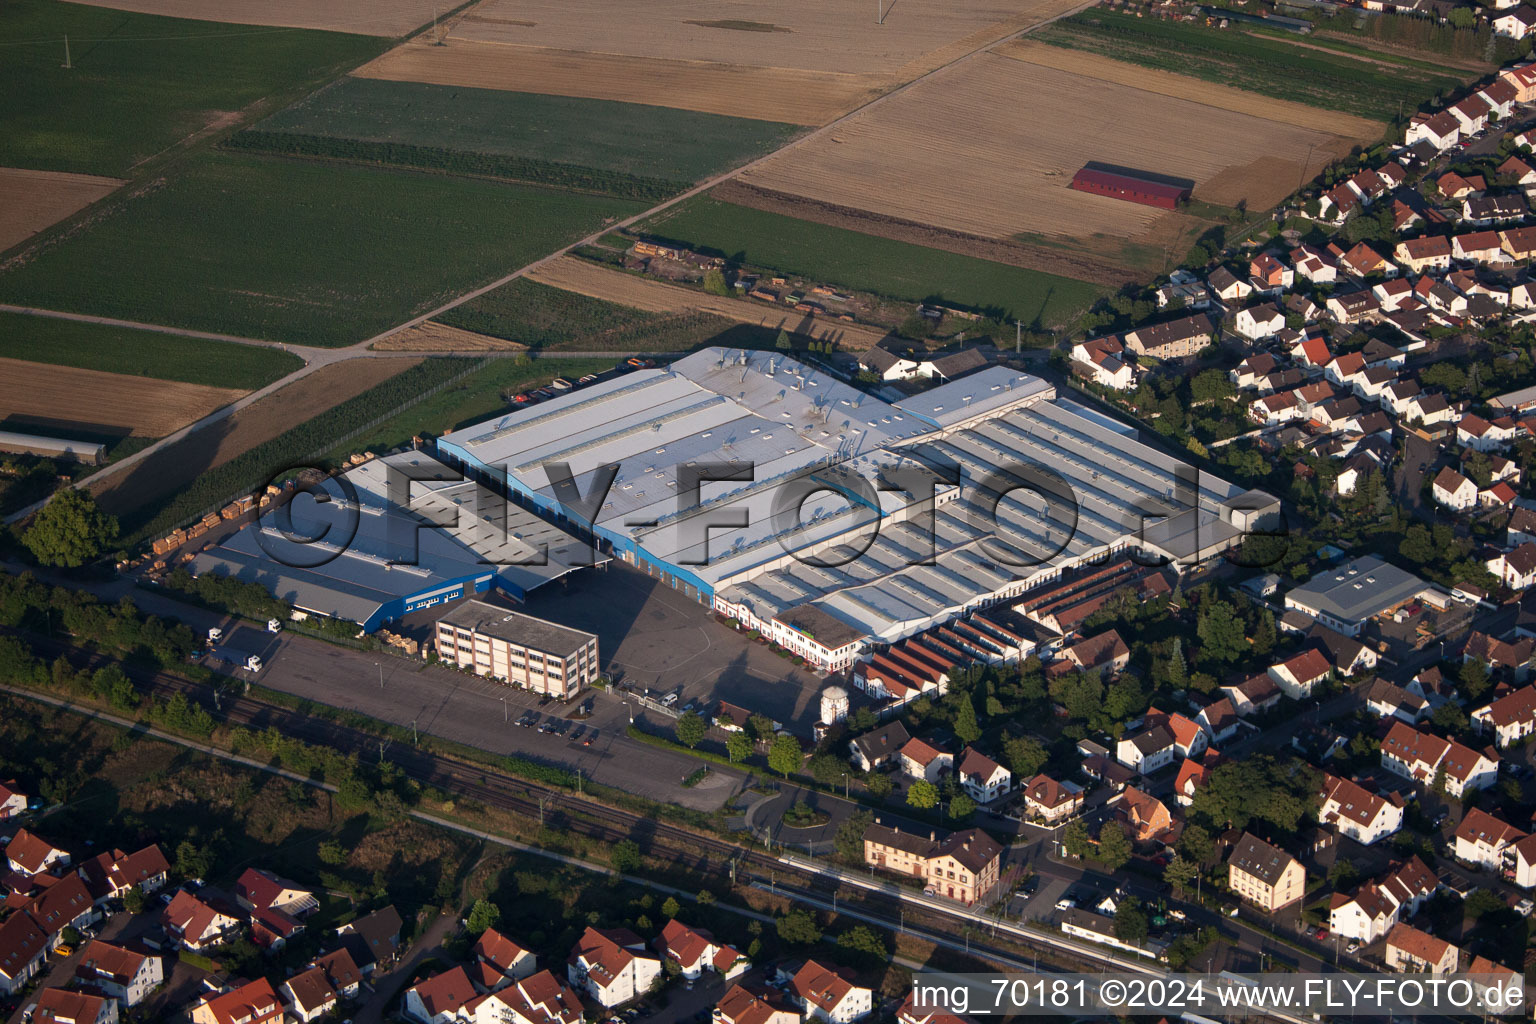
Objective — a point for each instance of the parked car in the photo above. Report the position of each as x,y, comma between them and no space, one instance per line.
1354,945
1320,934
670,699
1066,903
1031,886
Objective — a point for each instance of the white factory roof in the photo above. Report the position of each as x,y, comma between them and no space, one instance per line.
355,570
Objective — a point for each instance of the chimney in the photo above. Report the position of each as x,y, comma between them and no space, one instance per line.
932,836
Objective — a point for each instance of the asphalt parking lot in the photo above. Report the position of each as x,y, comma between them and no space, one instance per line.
662,641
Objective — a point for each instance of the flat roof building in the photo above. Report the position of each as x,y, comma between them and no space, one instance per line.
518,649
832,492
1348,596
383,555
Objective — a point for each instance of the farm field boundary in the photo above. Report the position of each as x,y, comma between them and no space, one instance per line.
33,200
44,399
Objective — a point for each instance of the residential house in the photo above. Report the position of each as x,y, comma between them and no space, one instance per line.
1219,719
742,1005
1516,568
1300,674
888,365
1482,840
67,1006
1247,374
62,903
1351,307
1454,491
1357,813
1516,23
981,777
1478,247
1486,211
1412,951
1440,129
1254,695
1175,339
1259,322
1472,111
1228,287
1388,700
1268,274
537,999
341,971
612,966
12,800
309,995
1485,435
1146,815
373,940
29,854
1512,717
879,747
198,924
23,945
1148,750
1362,261
1520,862
1314,264
1264,875
439,999
1349,656
110,875
1102,360
1192,775
1519,243
695,951
1105,653
1432,252
923,760
1046,798
255,1002
1422,756
827,994
498,961
126,975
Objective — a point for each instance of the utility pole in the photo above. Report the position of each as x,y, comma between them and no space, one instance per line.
380,666
504,713
67,64
1018,336
414,741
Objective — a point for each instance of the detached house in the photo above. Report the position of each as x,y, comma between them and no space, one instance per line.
1102,360
198,924
12,800
879,747
1254,695
1052,800
29,854
1300,674
1440,129
1358,813
66,1006
695,951
1146,815
1511,718
498,961
22,948
309,995
1264,875
1517,568
1259,322
612,966
828,996
922,760
1412,951
440,999
110,875
1387,700
741,1005
1375,907
126,975
981,777
1148,750
1432,252
255,1002
1454,491
1483,840
1176,339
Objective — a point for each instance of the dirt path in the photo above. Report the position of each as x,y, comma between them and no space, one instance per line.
573,274
435,337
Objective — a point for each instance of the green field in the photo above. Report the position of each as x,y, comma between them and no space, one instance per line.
896,270
139,83
219,364
479,396
302,252
595,144
1378,88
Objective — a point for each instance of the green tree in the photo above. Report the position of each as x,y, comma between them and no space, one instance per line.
961,807
783,342
1025,756
690,729
848,841
923,794
670,908
737,746
879,786
966,727
1131,923
1181,873
785,755
134,900
1474,679
1075,839
828,769
484,914
865,946
624,857
332,853
1114,846
1196,844
70,530
714,282
1462,17
1220,629
798,928
193,861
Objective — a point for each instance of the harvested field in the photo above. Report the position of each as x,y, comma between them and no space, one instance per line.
359,17
1167,83
798,97
808,35
586,278
32,200
65,398
170,469
971,163
435,337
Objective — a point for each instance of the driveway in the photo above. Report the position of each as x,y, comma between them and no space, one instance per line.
428,943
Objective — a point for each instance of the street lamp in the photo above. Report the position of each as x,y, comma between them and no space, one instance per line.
505,715
380,667
630,710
